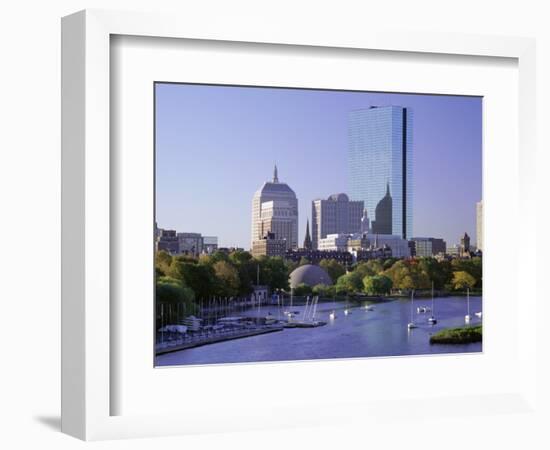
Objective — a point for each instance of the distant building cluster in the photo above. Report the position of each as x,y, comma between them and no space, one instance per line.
193,244
463,250
373,221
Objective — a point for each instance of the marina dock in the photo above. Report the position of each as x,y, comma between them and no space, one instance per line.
215,338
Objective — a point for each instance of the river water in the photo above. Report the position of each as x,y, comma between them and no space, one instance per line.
361,333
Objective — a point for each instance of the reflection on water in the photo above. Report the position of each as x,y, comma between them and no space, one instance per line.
360,333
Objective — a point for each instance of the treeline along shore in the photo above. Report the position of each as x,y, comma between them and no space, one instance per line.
191,281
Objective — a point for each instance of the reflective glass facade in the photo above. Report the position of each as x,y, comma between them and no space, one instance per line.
380,158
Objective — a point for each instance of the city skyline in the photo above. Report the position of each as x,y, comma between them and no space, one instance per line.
201,138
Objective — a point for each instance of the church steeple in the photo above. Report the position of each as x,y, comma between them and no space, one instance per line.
275,176
387,188
307,241
365,222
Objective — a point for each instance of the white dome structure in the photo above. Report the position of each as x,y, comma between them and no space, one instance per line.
310,275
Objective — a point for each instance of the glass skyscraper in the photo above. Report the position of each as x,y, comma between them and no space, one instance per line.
380,166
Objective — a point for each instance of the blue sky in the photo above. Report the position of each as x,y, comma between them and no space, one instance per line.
216,145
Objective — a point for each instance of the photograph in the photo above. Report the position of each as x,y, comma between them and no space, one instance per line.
298,224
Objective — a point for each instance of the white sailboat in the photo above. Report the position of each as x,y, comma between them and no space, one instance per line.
467,317
432,318
290,314
346,311
411,324
332,315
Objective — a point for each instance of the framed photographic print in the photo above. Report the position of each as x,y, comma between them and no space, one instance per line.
274,276
266,228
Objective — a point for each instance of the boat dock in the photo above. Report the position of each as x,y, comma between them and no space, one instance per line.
304,324
185,344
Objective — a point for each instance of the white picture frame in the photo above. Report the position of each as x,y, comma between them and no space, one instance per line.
87,326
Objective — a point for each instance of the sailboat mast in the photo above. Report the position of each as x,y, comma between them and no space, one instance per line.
412,306
432,297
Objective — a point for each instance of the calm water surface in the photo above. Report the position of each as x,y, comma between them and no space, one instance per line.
362,333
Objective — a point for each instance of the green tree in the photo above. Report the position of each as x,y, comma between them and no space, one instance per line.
330,292
377,284
369,268
389,262
174,300
273,272
407,283
321,290
472,266
162,261
375,266
350,283
334,269
199,277
304,261
463,280
302,289
438,272
408,274
247,269
290,266
228,278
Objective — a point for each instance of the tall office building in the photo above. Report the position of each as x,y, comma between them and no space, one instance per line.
335,215
380,166
465,243
384,214
479,225
275,211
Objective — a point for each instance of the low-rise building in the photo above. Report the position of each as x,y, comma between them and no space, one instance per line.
315,256
269,246
259,294
228,250
334,242
428,246
399,246
167,240
454,250
372,253
209,244
190,243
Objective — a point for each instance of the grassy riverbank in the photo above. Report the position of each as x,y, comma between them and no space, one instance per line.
462,335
